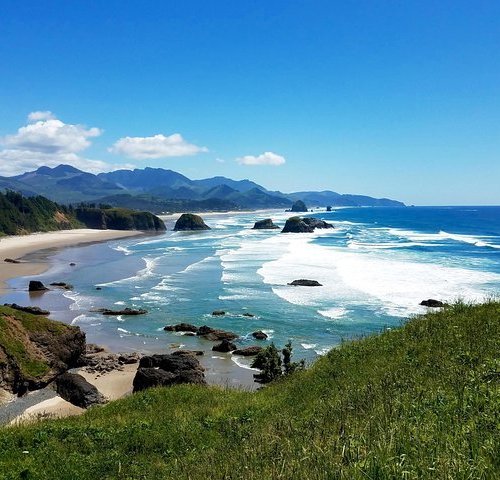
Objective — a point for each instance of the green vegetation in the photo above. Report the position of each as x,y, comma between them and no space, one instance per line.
417,402
20,215
118,219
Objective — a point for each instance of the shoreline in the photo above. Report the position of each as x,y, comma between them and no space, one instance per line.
19,246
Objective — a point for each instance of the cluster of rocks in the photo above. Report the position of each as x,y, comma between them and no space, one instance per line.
304,225
98,360
167,370
125,311
204,331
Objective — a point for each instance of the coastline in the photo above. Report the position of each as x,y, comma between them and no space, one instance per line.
18,246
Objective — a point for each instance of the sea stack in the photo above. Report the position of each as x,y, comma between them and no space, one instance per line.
299,206
190,221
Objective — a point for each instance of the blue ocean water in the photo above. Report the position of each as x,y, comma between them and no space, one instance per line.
376,265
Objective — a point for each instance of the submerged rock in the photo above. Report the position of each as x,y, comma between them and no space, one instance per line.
299,206
76,390
190,221
224,347
36,286
248,351
29,309
266,224
66,286
218,313
305,283
248,314
433,303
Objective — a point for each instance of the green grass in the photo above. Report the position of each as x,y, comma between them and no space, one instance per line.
417,402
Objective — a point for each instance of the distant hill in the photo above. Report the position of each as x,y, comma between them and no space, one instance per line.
160,188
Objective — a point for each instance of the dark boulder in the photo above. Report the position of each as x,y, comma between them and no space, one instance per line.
214,334
218,313
181,327
433,303
72,264
248,351
305,283
36,286
98,288
129,358
225,346
76,390
259,335
299,206
297,225
29,309
167,370
266,224
189,221
328,208
248,314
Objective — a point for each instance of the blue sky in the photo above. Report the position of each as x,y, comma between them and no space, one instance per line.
385,98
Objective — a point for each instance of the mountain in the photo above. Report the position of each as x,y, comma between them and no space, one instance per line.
160,188
64,184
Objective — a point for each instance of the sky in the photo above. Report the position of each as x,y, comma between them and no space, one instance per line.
397,99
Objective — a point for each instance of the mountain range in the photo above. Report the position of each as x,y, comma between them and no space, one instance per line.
161,190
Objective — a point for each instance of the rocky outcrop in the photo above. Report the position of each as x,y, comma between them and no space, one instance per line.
224,347
29,309
316,223
98,360
266,224
11,260
36,286
329,208
168,370
218,313
259,335
125,311
181,327
214,334
299,206
433,303
248,351
189,221
305,283
35,350
76,390
304,225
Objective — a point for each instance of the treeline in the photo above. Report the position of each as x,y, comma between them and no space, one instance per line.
22,215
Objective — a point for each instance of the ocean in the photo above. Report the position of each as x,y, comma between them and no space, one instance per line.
375,266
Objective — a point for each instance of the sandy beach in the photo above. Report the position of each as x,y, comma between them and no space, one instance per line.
16,247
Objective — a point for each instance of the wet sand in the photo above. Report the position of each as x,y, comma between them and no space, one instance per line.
17,246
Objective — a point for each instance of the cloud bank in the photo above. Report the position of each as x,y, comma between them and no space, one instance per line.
48,141
157,146
266,158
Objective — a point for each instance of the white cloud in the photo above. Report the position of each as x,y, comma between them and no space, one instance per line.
157,146
266,158
50,142
39,115
51,136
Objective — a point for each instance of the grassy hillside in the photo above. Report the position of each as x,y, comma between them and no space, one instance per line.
417,402
20,214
